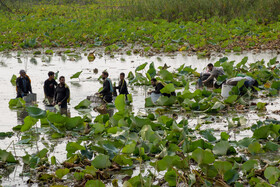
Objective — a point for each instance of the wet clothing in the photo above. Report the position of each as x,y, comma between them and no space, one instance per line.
49,87
23,86
62,94
159,86
204,76
215,73
122,87
107,90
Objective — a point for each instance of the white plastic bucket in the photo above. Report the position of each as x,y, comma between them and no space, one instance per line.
225,90
155,97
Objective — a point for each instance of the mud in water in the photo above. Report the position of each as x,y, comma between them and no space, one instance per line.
37,68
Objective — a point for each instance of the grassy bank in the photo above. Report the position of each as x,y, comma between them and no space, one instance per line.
93,25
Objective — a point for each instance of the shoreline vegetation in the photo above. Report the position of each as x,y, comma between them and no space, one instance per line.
155,27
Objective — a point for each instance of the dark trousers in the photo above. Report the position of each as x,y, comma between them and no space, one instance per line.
108,98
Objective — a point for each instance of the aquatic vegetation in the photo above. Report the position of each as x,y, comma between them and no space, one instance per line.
50,26
165,150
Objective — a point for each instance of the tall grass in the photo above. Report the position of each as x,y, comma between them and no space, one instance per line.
171,10
188,10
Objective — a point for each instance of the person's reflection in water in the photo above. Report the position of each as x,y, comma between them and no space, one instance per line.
21,114
65,111
102,109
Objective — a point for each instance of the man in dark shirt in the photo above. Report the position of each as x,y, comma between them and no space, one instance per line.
49,87
122,85
62,93
107,90
23,84
158,86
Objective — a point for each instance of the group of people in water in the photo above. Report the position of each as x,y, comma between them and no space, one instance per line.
212,73
59,93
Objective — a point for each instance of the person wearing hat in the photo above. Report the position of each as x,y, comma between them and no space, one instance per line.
23,84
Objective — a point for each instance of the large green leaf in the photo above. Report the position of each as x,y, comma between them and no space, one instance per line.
168,89
129,148
221,148
72,147
75,122
166,75
254,147
171,177
270,146
95,183
61,172
13,80
249,165
203,157
90,170
98,128
222,166
28,123
123,160
56,118
272,174
231,99
231,176
276,85
17,103
120,103
152,71
166,101
129,98
141,67
168,162
207,134
147,133
83,104
7,156
262,132
42,153
149,102
101,161
36,113
76,75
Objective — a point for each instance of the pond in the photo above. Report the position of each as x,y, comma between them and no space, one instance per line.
37,67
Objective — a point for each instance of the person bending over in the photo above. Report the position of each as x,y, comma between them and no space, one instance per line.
158,86
215,72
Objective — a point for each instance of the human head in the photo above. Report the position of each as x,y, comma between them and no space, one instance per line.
104,75
51,74
62,80
210,66
153,82
122,75
22,73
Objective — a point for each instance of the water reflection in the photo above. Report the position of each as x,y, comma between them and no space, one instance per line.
6,170
21,114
